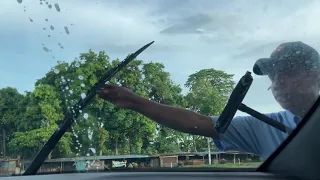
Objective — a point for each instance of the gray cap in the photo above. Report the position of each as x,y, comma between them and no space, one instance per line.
287,57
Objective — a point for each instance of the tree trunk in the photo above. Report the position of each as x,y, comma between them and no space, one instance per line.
130,145
194,143
4,149
116,146
50,155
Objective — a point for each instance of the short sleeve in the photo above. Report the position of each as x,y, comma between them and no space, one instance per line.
240,136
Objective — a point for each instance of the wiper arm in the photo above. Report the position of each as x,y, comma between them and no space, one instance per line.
235,103
75,112
265,119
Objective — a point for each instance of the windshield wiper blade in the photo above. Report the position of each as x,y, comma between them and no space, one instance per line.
76,109
235,99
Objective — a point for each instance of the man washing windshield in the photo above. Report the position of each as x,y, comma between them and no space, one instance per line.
293,69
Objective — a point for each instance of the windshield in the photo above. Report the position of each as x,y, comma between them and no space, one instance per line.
160,110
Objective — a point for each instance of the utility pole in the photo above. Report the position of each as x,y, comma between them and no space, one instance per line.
209,152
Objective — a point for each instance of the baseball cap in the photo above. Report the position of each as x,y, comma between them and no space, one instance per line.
288,57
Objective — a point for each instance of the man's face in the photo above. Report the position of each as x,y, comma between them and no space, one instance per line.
293,90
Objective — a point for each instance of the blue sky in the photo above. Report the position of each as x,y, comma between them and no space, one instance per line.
189,35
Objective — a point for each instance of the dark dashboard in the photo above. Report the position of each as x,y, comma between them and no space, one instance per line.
155,176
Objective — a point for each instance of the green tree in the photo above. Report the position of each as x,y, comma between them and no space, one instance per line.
27,144
10,113
71,81
44,108
209,90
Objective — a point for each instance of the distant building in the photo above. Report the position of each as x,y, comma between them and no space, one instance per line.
102,163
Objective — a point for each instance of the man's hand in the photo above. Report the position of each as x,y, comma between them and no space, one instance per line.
119,96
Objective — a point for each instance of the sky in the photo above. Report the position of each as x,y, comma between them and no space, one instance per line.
189,35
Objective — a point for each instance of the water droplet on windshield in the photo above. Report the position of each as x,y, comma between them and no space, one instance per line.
77,64
49,6
83,95
31,20
51,27
59,44
19,1
66,30
82,85
45,49
88,154
46,19
90,133
57,7
56,71
85,116
70,91
80,77
93,150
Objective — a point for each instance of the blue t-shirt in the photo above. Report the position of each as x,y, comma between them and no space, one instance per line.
248,134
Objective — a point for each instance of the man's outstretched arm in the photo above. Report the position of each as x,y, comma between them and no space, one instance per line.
173,117
176,118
